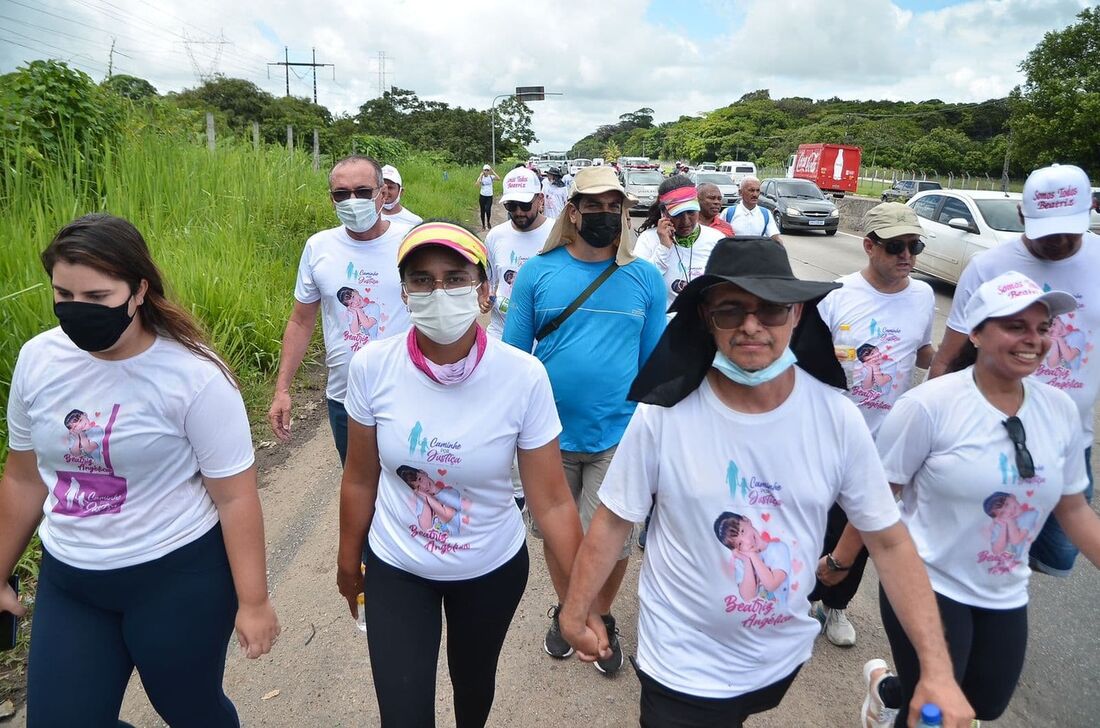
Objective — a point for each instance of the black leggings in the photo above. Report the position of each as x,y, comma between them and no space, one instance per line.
987,649
404,631
486,203
839,595
171,617
663,707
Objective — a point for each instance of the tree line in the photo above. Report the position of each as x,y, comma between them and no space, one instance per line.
1052,117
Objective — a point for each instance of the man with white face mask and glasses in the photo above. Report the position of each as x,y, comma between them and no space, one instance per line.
436,418
349,274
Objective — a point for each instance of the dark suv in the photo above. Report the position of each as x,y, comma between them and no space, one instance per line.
906,188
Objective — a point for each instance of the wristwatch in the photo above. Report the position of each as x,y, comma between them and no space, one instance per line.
833,564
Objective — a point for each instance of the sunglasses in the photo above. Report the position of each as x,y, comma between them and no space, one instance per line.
896,247
512,206
1024,464
361,193
768,314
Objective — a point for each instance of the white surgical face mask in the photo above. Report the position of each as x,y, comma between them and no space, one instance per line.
444,318
357,215
391,205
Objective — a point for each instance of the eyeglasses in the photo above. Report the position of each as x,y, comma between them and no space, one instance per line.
1024,464
896,247
512,206
768,314
360,193
453,285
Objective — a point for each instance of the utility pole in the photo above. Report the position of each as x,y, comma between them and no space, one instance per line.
111,59
315,65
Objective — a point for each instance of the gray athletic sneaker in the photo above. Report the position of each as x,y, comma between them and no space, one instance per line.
554,644
611,665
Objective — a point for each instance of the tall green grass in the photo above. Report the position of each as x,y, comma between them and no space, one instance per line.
226,228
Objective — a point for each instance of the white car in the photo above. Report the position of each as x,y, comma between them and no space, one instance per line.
960,224
576,165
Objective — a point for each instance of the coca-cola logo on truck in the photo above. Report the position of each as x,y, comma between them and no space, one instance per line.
808,161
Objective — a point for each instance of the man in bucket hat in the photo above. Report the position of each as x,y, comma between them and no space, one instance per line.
1058,252
743,453
593,313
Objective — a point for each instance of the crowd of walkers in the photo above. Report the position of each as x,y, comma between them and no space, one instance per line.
762,432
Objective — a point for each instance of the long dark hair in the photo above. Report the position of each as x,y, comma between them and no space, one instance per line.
674,182
967,355
114,247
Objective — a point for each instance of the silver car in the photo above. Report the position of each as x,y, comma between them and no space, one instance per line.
723,181
958,225
642,184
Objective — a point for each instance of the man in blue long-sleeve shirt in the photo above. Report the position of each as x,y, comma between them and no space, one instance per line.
593,357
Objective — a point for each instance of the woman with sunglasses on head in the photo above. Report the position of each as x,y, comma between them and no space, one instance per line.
152,534
436,418
982,457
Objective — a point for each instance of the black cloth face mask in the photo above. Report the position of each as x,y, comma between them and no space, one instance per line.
93,326
600,229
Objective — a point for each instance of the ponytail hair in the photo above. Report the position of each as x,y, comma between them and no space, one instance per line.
114,247
967,355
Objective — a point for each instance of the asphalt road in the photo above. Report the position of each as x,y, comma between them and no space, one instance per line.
1057,687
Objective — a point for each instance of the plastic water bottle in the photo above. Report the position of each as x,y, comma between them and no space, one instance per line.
845,349
930,716
361,620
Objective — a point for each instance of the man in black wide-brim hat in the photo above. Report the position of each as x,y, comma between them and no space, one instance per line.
744,453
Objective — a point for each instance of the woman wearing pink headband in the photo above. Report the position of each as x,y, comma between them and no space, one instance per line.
435,421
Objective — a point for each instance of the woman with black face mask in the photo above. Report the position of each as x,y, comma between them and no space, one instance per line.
153,545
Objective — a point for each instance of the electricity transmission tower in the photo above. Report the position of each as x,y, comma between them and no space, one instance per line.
201,73
314,65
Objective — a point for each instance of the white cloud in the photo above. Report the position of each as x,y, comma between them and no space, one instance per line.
606,57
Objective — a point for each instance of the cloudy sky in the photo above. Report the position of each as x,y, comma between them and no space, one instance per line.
607,57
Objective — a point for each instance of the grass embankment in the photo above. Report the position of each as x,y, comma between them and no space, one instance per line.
226,229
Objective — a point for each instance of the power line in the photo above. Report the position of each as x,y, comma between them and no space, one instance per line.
314,65
55,31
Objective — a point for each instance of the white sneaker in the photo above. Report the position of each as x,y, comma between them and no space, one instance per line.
838,629
874,714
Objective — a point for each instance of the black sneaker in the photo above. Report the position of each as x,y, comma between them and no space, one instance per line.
611,665
554,644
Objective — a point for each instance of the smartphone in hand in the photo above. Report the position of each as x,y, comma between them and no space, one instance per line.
9,623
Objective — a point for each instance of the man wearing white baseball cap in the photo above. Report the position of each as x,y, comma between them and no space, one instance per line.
392,209
1059,253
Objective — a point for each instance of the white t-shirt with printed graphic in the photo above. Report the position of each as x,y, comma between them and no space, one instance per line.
1071,365
508,250
554,197
359,289
970,514
678,265
122,447
716,621
444,508
404,217
896,325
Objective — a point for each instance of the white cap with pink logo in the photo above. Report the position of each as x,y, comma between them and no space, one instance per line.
521,185
1056,201
1011,293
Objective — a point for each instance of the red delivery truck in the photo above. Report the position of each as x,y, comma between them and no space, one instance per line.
832,167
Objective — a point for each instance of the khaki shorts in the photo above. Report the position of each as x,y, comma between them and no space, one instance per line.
584,472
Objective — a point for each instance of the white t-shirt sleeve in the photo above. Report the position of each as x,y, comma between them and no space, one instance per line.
649,247
540,422
631,480
864,493
305,288
926,339
216,425
969,282
19,419
358,399
827,310
772,228
905,440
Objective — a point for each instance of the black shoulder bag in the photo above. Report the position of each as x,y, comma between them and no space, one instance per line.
577,302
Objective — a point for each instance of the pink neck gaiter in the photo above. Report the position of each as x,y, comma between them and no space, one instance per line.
448,374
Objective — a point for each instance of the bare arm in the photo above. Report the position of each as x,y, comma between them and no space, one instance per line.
1081,524
550,502
925,354
598,554
22,494
299,330
238,502
952,344
358,490
905,581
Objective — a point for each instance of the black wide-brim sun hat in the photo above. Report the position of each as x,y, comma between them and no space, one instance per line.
686,348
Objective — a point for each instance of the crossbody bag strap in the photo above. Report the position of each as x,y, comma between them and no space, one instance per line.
554,325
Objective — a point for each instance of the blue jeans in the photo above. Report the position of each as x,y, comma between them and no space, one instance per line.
1052,552
338,420
171,618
